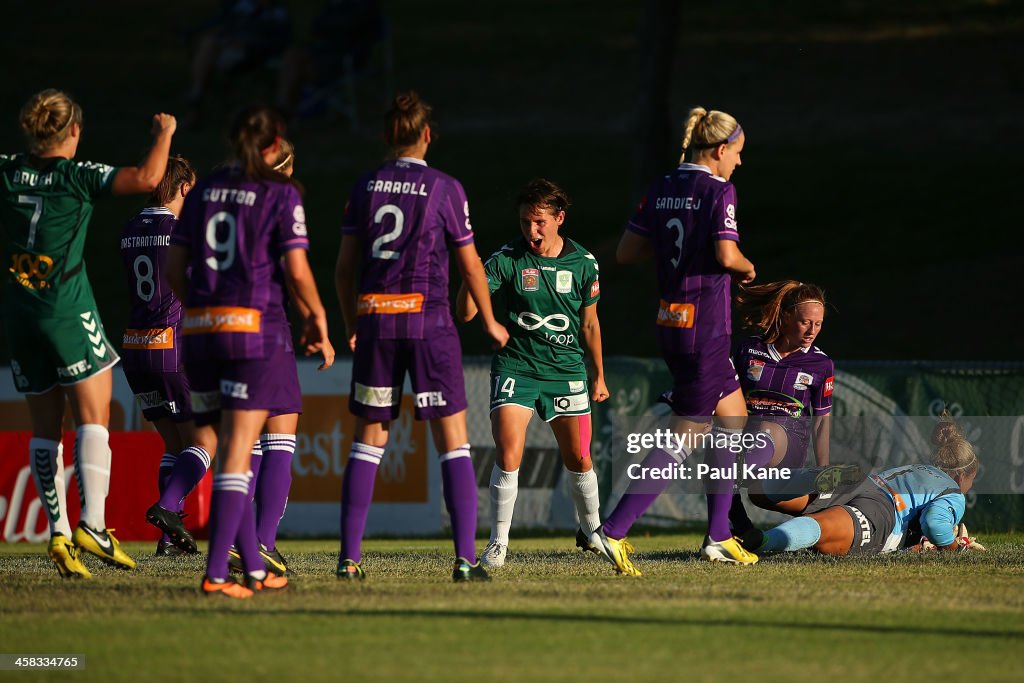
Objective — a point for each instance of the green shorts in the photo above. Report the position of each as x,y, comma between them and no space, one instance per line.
550,398
60,350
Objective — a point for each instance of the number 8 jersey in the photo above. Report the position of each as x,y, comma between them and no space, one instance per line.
684,214
237,231
406,215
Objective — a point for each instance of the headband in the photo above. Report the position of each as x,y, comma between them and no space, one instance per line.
807,301
284,162
733,137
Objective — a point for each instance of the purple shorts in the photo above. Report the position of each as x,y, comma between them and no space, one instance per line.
270,384
700,380
161,394
435,370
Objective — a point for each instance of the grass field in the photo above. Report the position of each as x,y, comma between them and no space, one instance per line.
550,614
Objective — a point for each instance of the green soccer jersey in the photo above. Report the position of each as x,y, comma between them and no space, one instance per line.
539,299
44,214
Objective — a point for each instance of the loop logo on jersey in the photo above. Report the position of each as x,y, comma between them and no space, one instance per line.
149,339
531,279
32,271
676,315
754,370
556,323
213,319
389,304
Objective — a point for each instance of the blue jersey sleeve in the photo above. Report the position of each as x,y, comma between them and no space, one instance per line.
939,518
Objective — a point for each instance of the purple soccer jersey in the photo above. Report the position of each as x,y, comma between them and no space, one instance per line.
406,216
152,338
684,214
786,389
237,231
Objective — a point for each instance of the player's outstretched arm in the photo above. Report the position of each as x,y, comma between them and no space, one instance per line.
175,271
302,286
729,256
147,175
633,248
475,280
821,429
590,334
345,284
465,309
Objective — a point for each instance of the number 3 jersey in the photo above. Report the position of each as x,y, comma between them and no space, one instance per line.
237,231
152,338
683,215
406,215
787,390
44,214
539,299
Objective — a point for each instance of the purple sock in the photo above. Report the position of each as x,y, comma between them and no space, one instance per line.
246,542
275,481
228,505
460,498
356,496
720,491
189,468
639,495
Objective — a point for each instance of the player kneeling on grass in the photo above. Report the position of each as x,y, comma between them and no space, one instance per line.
548,288
886,512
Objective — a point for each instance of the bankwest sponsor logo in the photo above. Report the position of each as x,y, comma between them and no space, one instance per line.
211,319
150,339
389,304
324,441
676,315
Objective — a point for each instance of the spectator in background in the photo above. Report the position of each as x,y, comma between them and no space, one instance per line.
341,40
246,34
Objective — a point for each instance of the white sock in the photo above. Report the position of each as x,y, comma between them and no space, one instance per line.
504,488
46,460
92,464
583,488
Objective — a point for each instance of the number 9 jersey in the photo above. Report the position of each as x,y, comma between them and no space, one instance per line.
406,215
683,214
237,231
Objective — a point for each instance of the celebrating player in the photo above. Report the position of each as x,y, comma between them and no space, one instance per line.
400,222
548,287
153,358
885,512
687,223
58,346
243,233
786,380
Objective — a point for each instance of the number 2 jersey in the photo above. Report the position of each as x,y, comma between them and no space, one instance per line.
788,390
237,231
406,215
683,214
44,215
152,339
540,299
925,498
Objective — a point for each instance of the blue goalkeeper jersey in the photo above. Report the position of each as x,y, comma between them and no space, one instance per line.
923,494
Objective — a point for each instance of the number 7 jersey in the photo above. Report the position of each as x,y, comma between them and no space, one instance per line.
406,215
683,214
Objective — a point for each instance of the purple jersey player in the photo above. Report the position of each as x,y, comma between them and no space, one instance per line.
687,223
399,225
152,348
243,233
787,381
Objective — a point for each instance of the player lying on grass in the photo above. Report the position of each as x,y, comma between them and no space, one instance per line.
547,287
887,511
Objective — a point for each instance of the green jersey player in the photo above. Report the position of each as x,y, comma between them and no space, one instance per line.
57,343
546,287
